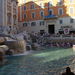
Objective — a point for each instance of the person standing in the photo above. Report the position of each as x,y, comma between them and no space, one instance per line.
68,71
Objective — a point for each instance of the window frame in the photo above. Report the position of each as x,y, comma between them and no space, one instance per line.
60,21
24,24
59,1
59,12
32,6
40,13
51,10
26,16
24,6
33,23
50,3
41,23
71,20
32,15
70,11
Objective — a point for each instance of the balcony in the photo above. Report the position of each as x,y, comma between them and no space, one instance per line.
50,17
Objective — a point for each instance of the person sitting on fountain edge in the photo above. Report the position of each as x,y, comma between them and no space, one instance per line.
68,71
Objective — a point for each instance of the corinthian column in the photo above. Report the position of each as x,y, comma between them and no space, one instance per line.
12,13
5,12
17,13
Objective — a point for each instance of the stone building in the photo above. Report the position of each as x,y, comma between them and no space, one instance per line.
9,13
51,16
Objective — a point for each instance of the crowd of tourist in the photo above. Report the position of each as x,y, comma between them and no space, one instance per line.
64,44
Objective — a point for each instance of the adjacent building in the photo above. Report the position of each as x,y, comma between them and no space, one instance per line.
51,16
9,13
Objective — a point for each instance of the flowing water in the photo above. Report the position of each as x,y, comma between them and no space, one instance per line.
51,61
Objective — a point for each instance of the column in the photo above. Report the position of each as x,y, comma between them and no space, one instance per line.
12,13
5,12
2,12
20,13
17,14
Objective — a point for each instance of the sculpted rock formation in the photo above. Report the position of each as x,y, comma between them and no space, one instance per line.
2,40
17,46
6,30
3,49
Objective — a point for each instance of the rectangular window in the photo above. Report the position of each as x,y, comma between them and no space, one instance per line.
41,5
32,6
41,23
60,11
41,13
25,7
70,1
71,10
60,21
25,15
60,2
71,20
33,24
33,14
50,3
50,12
24,24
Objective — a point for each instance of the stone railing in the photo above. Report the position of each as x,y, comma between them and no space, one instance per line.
63,38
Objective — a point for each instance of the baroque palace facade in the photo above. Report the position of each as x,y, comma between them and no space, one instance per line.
9,13
51,16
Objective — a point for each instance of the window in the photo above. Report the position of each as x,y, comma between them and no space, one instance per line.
25,15
41,13
71,10
24,24
24,0
33,14
50,3
60,2
70,1
41,5
71,20
42,23
60,11
50,12
32,6
60,21
24,7
33,24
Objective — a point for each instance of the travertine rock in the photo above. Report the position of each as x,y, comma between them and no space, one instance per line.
3,49
17,46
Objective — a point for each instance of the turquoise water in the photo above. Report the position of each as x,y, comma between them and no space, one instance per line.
51,61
